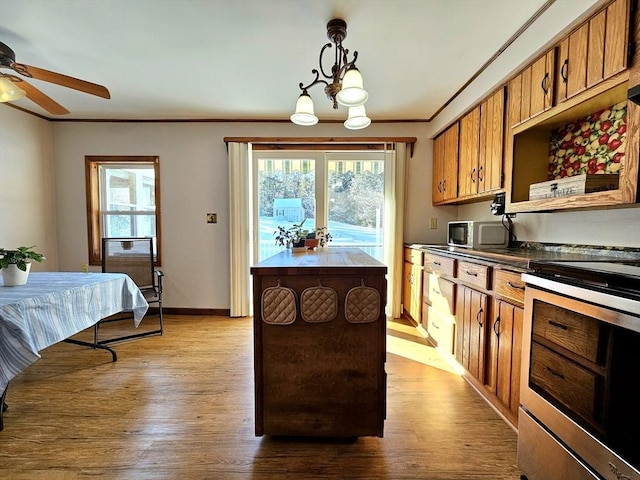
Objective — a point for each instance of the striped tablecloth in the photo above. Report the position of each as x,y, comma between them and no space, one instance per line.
53,306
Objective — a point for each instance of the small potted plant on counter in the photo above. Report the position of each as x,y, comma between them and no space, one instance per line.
292,237
16,264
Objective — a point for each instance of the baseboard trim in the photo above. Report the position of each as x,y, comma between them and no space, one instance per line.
218,312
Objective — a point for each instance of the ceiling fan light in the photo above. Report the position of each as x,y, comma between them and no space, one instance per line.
352,93
357,118
304,114
9,91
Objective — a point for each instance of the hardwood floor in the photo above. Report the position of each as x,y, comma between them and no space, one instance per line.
180,406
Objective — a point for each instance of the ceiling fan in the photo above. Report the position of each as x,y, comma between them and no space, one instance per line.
8,60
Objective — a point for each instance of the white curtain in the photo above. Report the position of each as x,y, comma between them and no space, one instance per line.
395,180
240,216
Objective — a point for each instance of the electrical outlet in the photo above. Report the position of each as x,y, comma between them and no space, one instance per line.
212,218
433,223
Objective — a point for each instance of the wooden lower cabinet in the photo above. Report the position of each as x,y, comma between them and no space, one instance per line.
412,285
504,353
471,316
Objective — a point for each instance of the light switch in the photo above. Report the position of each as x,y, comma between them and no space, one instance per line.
433,223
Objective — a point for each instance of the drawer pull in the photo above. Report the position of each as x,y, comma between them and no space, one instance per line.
435,326
437,292
558,325
554,373
472,273
437,263
496,327
478,319
513,285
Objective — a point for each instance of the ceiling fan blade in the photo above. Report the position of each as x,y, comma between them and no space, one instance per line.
36,96
63,80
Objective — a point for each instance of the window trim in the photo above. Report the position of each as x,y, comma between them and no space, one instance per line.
94,218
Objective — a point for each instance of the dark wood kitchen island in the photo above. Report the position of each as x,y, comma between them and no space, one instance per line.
319,344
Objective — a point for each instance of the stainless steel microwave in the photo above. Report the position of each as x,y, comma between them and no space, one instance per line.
477,235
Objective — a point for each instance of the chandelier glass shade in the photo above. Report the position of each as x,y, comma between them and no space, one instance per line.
304,111
357,118
346,87
9,91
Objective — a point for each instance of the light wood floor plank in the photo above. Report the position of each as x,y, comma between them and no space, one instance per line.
180,406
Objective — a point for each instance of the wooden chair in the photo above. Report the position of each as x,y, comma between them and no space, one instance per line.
133,256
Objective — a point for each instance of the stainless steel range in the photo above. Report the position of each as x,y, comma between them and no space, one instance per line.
579,414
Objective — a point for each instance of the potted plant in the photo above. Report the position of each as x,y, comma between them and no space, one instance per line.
323,236
292,237
16,264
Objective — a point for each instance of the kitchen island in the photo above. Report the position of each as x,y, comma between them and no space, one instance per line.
319,344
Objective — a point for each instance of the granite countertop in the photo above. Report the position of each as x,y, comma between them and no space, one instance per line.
524,253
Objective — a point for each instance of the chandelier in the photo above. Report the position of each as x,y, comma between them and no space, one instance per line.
346,87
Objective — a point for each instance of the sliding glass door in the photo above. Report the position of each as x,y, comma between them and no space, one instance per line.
343,191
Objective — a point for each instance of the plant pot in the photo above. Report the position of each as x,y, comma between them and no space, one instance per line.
12,276
311,243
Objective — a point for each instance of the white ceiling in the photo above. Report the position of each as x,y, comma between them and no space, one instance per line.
244,59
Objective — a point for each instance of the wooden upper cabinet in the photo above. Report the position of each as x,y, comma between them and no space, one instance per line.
616,45
594,52
469,148
437,191
542,80
491,143
572,64
445,166
450,167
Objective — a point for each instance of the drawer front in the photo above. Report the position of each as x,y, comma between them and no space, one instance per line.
441,330
474,274
572,385
575,332
413,256
442,294
440,264
509,285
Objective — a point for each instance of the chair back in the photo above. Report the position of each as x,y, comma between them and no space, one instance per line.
133,256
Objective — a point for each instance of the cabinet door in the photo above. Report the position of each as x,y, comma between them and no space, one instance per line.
504,352
525,94
514,100
437,192
471,316
595,49
412,291
491,144
616,44
450,167
542,79
469,143
576,61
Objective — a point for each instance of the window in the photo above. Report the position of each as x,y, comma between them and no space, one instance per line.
343,191
123,200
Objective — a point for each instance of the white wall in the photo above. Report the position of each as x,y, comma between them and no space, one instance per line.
194,181
27,213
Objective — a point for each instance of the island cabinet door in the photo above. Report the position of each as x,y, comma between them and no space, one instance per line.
321,372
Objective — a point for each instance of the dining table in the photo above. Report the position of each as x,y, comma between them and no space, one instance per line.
54,306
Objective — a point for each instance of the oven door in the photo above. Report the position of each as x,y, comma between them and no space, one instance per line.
579,417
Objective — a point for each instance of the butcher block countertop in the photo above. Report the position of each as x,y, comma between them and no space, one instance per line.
327,260
520,258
